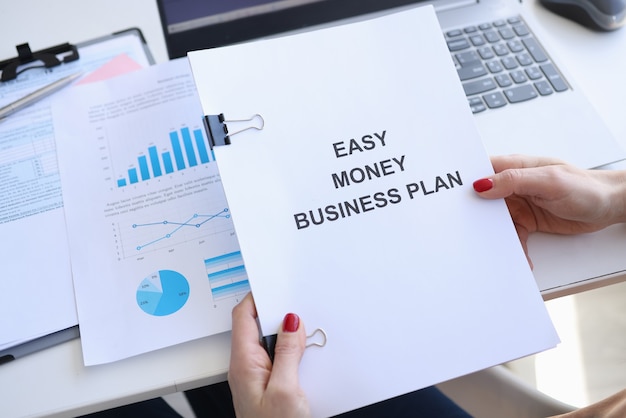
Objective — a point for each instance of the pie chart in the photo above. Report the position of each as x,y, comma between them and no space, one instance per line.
163,293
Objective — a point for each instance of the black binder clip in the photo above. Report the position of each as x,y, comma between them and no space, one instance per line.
217,130
50,57
317,339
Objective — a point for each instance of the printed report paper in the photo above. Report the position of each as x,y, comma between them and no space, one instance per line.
154,255
354,208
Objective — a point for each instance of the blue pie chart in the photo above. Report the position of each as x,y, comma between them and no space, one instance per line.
163,293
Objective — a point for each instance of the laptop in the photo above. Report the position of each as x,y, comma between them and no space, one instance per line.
524,101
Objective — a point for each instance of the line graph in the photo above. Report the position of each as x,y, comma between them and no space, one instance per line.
175,230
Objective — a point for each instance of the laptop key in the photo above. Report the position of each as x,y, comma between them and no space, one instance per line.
467,58
518,76
494,66
485,53
533,73
453,33
504,80
553,76
515,45
495,100
509,63
500,50
476,104
521,30
520,93
491,36
535,49
472,71
477,40
479,86
524,59
506,33
543,87
458,44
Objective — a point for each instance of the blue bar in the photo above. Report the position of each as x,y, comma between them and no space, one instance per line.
201,144
143,167
228,274
224,259
231,289
154,161
191,155
132,175
167,162
178,152
121,182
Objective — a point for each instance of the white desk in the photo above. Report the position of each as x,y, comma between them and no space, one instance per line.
55,383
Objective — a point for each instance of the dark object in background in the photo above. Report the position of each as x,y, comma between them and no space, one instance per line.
605,15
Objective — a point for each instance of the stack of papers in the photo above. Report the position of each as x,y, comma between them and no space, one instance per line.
352,207
36,290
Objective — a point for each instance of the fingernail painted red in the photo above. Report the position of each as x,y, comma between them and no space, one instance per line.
291,322
483,185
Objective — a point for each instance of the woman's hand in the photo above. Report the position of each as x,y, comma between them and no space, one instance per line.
548,195
261,389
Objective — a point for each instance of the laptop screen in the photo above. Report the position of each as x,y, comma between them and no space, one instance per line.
198,24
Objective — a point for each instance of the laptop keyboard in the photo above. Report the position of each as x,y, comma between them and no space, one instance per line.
501,63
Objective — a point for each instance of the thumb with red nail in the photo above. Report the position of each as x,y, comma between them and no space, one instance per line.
259,388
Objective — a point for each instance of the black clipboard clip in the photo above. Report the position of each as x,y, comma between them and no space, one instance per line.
318,338
49,57
217,130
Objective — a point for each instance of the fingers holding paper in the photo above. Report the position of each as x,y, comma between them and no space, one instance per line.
260,388
549,195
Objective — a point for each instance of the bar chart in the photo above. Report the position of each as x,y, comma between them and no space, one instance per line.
227,276
186,148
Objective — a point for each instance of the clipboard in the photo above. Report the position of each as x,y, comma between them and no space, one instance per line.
54,56
52,60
